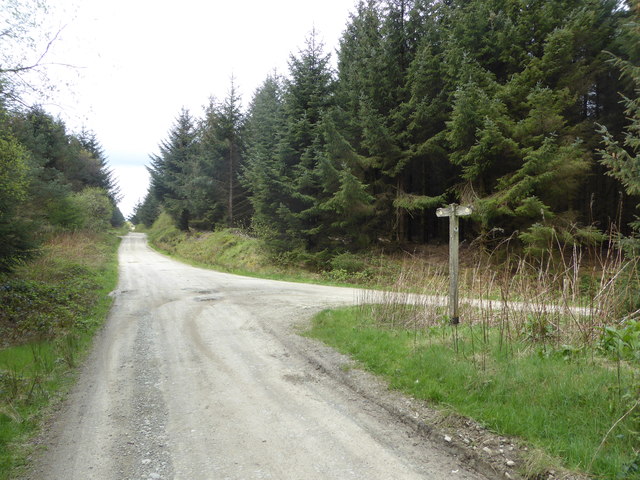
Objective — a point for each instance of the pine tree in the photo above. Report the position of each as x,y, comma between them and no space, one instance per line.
263,171
104,177
170,170
346,206
147,211
517,87
58,167
622,157
308,96
427,109
231,131
216,186
377,50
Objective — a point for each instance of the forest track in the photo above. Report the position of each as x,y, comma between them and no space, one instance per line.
200,375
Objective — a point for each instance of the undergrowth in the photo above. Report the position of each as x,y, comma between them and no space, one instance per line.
49,310
228,250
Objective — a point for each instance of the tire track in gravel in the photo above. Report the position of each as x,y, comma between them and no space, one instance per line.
144,444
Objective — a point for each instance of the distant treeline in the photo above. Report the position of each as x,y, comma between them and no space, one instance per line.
504,105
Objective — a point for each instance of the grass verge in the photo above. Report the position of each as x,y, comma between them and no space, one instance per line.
579,406
49,311
226,250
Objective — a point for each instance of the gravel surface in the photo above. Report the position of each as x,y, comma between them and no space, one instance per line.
201,375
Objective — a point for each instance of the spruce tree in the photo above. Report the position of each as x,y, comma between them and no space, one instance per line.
218,196
171,168
104,178
345,204
375,58
509,92
231,131
622,157
147,211
263,172
308,96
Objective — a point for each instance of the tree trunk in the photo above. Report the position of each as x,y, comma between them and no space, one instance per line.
230,206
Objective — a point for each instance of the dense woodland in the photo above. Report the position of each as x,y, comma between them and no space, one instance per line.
514,107
51,180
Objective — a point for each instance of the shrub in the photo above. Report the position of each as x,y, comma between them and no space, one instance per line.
347,262
623,340
97,209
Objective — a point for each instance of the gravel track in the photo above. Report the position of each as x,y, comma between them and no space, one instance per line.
200,375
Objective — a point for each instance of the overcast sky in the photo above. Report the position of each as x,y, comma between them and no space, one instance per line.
138,62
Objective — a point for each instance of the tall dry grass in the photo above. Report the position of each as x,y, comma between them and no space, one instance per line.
566,297
552,342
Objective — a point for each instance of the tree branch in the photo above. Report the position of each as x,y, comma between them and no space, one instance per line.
38,62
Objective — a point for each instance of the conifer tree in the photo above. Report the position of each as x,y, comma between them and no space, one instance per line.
231,131
147,211
345,204
490,102
104,178
509,92
170,169
376,53
622,157
215,185
308,95
263,173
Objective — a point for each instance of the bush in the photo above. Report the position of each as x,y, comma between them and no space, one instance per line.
347,262
66,212
97,209
36,309
18,242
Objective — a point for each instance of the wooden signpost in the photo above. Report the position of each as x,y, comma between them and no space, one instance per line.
453,211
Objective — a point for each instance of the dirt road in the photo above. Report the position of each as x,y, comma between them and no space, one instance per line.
200,375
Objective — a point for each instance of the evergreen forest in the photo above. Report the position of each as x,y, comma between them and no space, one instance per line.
525,110
52,180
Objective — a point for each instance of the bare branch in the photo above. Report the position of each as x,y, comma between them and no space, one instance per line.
38,62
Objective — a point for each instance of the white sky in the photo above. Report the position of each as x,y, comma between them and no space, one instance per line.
141,61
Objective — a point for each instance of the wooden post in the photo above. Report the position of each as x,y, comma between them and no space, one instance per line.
453,211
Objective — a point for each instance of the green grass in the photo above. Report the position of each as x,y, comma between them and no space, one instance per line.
50,310
558,400
225,250
205,251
